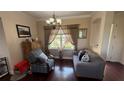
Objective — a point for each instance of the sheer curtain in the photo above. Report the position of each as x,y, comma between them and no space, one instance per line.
48,30
67,34
53,34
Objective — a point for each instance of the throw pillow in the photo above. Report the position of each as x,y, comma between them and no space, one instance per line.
82,53
79,53
43,56
85,58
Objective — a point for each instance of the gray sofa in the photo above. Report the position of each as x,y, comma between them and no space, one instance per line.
93,69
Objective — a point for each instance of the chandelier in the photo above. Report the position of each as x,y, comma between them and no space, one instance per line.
53,20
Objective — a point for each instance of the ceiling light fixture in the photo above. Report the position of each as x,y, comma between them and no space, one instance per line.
54,20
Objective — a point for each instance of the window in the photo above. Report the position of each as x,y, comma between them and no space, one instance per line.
82,33
60,41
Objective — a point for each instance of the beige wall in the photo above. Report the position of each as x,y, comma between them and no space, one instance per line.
41,33
9,20
84,23
97,37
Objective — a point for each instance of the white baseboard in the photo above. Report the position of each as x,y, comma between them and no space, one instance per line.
119,61
67,57
3,74
122,62
56,57
63,57
11,72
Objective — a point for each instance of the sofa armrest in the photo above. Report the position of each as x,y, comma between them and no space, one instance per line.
90,66
90,69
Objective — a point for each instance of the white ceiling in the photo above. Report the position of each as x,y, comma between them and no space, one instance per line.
41,15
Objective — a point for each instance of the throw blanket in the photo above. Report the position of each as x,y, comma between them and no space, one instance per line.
22,66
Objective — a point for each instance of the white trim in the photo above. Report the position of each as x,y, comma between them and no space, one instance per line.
67,57
56,57
122,62
110,37
63,49
119,61
73,17
3,74
115,60
69,17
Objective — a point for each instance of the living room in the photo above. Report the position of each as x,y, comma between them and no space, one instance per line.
98,32
61,46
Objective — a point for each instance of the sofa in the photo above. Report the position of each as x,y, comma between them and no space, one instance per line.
92,69
39,62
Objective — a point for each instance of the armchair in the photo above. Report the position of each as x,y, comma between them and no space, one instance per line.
39,62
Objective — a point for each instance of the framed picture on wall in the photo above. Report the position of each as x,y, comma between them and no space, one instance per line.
23,31
82,33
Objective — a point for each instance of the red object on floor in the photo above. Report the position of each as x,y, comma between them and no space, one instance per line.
22,66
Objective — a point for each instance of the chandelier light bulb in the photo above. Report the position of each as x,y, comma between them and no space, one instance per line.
51,19
47,21
54,21
58,21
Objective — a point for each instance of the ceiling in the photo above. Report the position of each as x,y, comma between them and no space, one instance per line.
41,15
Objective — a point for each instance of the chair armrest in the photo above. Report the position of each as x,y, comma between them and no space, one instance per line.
51,57
50,62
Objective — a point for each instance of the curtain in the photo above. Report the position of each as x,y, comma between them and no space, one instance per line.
66,33
47,30
53,34
70,31
74,33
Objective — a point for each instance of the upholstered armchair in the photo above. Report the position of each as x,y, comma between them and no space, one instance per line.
39,62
